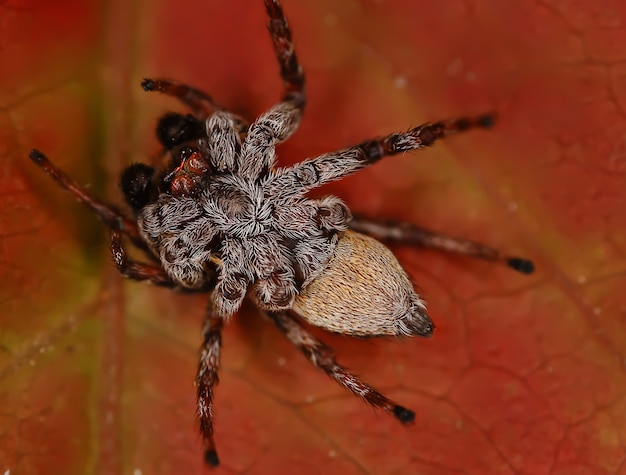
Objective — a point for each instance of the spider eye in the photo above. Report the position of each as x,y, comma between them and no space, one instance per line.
136,184
174,129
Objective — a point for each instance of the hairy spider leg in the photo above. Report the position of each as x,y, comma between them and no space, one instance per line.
407,233
323,357
290,70
204,105
281,121
207,378
136,270
419,137
198,101
110,215
332,166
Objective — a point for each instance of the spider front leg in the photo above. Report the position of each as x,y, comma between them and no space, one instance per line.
407,233
110,215
323,357
281,121
206,380
198,101
174,129
332,166
290,70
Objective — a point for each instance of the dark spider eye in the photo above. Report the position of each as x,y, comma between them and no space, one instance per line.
136,184
174,129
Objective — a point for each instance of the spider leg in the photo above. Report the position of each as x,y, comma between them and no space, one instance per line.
335,165
407,233
273,127
323,357
136,270
111,216
281,121
198,101
206,380
290,70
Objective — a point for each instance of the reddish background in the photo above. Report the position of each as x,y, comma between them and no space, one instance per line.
524,375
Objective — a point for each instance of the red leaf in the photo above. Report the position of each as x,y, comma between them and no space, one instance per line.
524,374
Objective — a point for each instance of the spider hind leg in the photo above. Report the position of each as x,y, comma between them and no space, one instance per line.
206,380
406,233
323,357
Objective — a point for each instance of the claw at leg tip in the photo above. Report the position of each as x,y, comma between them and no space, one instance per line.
36,156
487,120
211,458
403,414
524,266
147,85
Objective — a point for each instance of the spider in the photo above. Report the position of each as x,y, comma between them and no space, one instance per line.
218,216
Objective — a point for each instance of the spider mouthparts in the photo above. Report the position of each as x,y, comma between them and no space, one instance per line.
147,85
36,156
404,415
523,266
210,457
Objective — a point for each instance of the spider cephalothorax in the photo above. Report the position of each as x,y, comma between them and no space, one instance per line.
219,216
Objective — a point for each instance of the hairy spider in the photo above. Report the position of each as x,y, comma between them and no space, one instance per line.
219,216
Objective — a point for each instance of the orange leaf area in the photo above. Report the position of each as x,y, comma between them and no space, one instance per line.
525,374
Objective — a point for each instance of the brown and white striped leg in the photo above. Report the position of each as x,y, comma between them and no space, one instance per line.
289,111
290,70
137,270
338,164
110,215
421,136
407,233
323,357
198,101
207,379
278,123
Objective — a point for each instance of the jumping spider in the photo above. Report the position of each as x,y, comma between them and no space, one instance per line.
220,217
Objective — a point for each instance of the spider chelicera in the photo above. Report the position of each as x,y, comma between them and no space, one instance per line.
220,217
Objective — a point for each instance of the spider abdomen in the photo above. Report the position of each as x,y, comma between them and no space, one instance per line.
363,291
